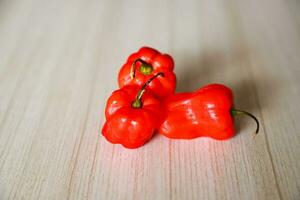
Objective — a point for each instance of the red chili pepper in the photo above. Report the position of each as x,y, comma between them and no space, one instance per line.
144,64
208,112
133,114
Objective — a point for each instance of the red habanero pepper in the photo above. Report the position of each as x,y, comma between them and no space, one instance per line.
140,66
132,114
207,112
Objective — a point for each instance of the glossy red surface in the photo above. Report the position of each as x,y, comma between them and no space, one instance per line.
205,112
131,127
162,86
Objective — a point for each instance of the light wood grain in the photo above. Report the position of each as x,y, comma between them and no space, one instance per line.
59,62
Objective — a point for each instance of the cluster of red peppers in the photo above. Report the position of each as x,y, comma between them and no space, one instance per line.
146,103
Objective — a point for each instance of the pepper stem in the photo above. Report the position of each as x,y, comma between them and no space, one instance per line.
235,112
145,68
137,103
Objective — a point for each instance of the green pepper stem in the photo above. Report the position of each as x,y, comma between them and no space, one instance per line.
133,66
235,112
137,103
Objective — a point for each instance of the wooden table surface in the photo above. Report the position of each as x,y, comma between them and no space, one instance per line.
59,62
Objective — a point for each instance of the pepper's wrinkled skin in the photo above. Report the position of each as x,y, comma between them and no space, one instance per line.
205,112
129,126
140,66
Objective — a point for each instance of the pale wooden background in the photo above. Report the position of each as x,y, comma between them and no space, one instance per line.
58,64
